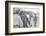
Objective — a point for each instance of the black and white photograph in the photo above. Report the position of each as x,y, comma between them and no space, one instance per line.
25,18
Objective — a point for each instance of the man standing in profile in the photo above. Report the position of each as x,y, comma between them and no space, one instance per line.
17,19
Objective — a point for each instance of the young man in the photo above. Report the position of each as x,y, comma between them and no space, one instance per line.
17,20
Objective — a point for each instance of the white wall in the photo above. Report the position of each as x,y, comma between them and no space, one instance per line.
2,18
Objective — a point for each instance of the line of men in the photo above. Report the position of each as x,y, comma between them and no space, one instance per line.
22,19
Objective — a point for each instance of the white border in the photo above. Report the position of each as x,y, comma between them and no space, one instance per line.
12,30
